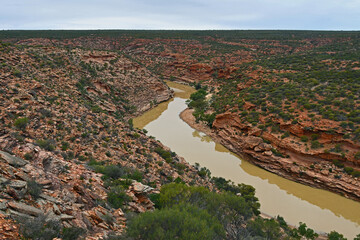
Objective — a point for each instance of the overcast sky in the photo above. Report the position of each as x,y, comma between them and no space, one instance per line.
180,14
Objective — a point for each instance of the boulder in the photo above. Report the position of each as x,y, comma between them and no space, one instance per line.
265,146
48,198
4,180
12,160
268,153
2,206
141,188
253,141
17,184
26,209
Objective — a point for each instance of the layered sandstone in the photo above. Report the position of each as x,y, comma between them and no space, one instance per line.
301,166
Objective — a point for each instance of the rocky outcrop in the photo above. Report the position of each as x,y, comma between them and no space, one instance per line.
306,168
72,107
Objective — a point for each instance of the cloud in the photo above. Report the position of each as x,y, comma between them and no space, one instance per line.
180,14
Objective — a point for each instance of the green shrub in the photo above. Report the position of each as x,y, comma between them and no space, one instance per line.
315,144
348,170
45,144
93,162
39,228
337,148
117,197
21,123
82,158
355,173
108,218
155,198
228,208
181,222
34,189
314,136
338,163
283,224
72,233
113,171
308,233
96,109
285,135
203,172
277,153
304,138
136,175
64,145
164,154
265,228
17,73
28,156
335,236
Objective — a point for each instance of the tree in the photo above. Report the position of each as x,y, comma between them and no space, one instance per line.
266,228
308,233
336,236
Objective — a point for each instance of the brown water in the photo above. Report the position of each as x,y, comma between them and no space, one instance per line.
321,210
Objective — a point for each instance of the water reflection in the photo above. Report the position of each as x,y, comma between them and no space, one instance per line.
203,138
151,115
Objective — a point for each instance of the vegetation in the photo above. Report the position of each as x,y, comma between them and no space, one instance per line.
175,34
186,212
21,123
200,104
43,228
117,178
166,155
46,144
180,222
34,189
289,77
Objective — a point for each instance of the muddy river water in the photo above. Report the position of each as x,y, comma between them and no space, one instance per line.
321,210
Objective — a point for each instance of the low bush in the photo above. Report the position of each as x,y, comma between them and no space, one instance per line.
46,144
34,189
21,123
117,197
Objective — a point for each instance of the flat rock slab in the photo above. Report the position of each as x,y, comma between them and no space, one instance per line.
66,217
12,160
17,184
2,206
141,188
48,198
26,209
4,180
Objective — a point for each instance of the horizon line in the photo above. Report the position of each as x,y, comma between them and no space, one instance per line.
134,29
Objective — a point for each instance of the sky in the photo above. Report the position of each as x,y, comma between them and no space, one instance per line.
180,14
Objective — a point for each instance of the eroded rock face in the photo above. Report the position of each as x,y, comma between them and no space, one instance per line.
303,166
75,105
12,160
244,139
25,209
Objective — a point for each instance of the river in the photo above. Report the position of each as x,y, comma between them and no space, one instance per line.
319,209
